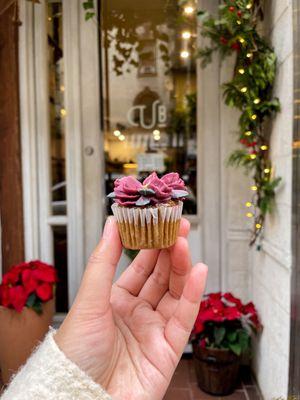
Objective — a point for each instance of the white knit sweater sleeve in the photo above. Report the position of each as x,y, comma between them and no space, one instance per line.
50,375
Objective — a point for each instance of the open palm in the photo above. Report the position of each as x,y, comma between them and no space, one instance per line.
129,336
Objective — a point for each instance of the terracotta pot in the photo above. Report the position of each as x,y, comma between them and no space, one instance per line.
19,334
217,370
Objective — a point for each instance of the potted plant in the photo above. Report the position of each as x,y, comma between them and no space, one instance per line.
26,310
221,335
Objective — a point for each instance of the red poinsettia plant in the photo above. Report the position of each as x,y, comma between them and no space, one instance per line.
224,322
28,284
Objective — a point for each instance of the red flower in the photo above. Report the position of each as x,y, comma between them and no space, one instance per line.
18,297
4,296
29,281
235,46
231,8
24,279
239,14
223,40
234,300
203,343
45,291
232,313
45,275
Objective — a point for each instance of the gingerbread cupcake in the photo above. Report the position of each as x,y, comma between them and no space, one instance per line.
148,213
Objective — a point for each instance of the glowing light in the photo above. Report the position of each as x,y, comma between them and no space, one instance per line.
122,138
249,55
248,6
156,132
248,133
188,10
256,101
267,170
238,22
253,156
130,166
62,88
186,35
248,204
249,215
184,54
242,40
254,188
241,71
117,133
254,116
244,89
258,226
156,138
49,19
63,112
264,147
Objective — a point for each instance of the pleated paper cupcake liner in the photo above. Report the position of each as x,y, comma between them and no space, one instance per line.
149,227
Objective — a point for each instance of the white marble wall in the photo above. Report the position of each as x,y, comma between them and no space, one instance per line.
271,268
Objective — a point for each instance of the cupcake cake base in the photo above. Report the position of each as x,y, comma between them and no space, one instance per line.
149,227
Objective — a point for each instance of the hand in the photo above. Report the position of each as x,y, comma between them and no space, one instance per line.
129,336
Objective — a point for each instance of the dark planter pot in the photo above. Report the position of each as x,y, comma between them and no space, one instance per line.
217,370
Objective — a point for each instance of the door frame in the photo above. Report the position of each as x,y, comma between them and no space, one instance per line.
82,130
294,371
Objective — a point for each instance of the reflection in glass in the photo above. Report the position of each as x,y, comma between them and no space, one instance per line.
61,265
57,111
149,90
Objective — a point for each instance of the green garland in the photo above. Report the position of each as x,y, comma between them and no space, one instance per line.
234,30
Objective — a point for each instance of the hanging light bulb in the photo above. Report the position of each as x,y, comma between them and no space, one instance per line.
244,89
188,10
184,54
254,116
122,138
249,55
267,170
256,101
248,6
241,71
117,133
186,35
242,40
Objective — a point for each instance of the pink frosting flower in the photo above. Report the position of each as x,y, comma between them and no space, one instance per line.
128,191
162,192
174,181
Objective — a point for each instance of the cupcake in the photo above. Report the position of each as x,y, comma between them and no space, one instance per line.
148,213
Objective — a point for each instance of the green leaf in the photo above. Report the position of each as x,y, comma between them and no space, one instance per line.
231,336
235,348
87,5
89,15
219,334
31,300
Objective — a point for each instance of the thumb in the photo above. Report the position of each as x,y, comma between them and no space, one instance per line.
95,288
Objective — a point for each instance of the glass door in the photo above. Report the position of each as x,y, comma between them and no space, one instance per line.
149,90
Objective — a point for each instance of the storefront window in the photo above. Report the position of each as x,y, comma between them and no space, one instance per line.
57,115
149,90
57,111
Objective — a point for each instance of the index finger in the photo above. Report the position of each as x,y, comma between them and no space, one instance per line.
135,276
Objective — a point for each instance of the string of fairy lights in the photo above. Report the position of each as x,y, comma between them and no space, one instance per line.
234,30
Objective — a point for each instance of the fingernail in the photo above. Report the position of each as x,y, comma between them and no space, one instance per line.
107,228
